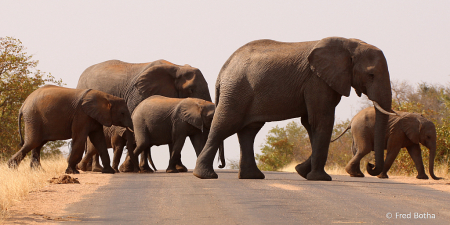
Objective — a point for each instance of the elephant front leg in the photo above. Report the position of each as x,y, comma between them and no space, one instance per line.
178,165
175,155
118,150
393,148
247,165
98,140
90,152
76,154
415,153
322,127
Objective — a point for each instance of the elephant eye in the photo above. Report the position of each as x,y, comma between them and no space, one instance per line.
190,90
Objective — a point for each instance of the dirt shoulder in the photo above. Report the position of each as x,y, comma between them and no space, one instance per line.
47,205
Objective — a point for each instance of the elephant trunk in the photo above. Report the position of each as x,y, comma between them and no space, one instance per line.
221,156
381,122
431,162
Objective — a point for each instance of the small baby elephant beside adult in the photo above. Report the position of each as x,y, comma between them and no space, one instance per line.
405,130
56,113
161,120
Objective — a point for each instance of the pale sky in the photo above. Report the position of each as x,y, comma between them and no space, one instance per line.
67,37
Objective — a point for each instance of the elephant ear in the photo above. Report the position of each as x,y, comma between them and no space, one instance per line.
332,62
411,126
158,80
98,107
191,112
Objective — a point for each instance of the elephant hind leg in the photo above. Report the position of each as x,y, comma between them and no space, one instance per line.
143,165
247,164
18,157
36,157
354,165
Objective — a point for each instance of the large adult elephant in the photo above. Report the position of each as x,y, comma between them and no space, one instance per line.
407,130
266,80
135,82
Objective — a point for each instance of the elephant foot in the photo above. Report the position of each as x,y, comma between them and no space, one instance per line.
82,166
97,168
253,173
172,170
303,169
70,170
422,176
383,176
146,170
181,168
204,172
125,169
357,175
108,170
353,172
318,175
12,164
36,165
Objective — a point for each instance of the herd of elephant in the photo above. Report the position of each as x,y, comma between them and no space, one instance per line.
138,105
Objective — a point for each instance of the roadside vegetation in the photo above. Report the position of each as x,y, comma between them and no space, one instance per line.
16,184
18,78
290,144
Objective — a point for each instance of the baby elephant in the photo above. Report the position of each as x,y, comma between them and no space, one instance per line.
161,120
406,130
116,138
57,113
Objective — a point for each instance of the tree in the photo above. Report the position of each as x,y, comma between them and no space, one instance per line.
18,78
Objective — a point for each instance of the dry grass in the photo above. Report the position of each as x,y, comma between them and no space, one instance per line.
15,185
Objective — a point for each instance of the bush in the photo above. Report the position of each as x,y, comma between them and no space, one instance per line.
18,78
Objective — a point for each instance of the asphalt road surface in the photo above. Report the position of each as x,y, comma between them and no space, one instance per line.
281,198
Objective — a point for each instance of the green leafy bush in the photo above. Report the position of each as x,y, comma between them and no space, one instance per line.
18,78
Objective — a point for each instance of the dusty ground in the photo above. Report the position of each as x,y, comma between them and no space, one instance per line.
47,205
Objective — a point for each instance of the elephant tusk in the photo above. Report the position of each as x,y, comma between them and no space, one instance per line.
384,111
130,130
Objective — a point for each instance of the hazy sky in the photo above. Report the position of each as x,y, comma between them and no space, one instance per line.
67,37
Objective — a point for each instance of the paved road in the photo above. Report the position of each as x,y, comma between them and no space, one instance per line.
281,198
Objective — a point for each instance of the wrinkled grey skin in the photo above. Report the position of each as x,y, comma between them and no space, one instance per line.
135,82
116,138
57,113
404,131
266,80
160,120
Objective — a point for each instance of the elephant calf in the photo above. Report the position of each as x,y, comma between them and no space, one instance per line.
405,130
161,120
116,138
56,113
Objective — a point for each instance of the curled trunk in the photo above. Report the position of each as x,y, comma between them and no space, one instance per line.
431,162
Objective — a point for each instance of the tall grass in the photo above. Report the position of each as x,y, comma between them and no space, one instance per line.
15,184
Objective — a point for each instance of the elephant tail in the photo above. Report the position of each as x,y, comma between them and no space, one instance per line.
19,120
221,156
343,132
